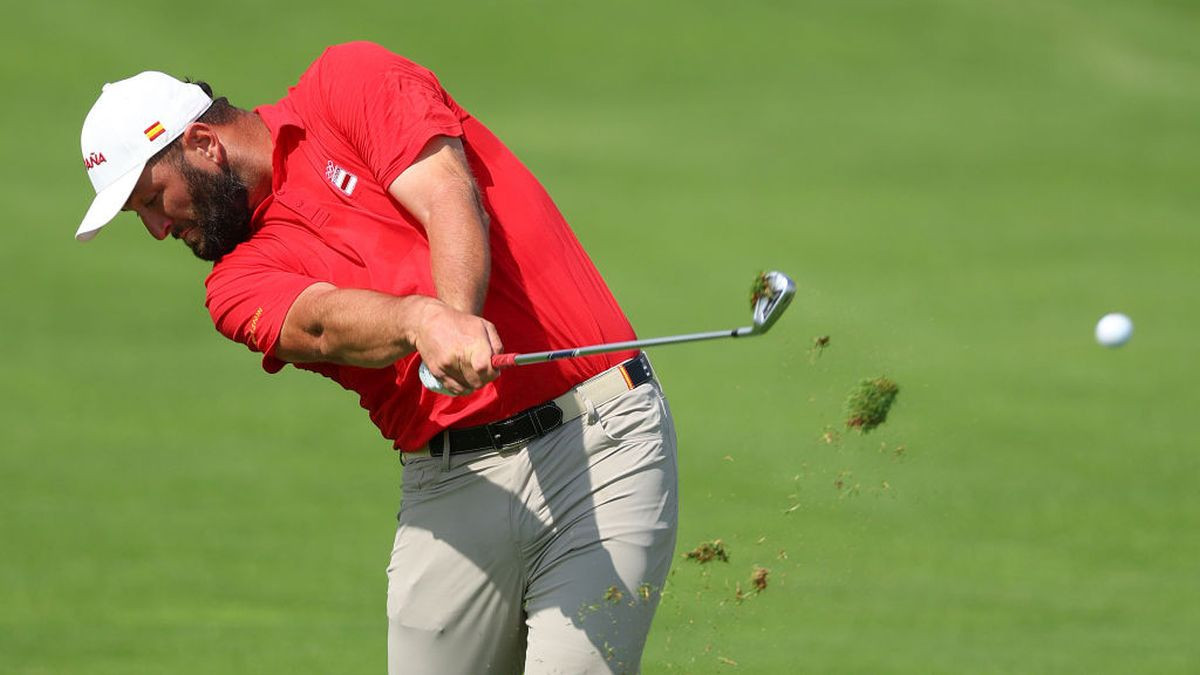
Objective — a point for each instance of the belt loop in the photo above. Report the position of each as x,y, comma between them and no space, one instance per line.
446,452
590,411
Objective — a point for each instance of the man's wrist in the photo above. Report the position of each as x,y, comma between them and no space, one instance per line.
419,310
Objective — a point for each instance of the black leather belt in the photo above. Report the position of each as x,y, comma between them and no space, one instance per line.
535,422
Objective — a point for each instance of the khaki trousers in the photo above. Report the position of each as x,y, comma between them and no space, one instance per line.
549,558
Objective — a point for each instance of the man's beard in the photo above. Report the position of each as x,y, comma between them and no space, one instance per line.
221,202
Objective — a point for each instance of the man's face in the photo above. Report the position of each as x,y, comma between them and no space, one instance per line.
206,206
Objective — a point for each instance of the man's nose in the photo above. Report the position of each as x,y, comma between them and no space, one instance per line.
158,225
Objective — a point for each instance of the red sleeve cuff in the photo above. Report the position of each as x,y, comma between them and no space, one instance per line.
421,139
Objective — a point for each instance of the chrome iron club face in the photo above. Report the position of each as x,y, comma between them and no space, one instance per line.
778,291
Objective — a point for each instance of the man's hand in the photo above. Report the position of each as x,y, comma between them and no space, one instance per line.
457,347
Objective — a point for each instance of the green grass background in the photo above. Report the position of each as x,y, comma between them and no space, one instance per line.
960,188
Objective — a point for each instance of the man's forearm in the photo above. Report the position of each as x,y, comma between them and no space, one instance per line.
458,249
351,326
439,190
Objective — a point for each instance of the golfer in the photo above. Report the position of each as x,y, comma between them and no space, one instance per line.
367,223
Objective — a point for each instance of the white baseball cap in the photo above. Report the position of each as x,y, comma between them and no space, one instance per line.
131,121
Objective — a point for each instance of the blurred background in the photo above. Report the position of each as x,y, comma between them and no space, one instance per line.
960,189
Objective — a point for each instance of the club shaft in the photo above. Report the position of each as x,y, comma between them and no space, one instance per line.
506,360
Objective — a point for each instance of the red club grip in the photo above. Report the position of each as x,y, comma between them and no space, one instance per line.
504,361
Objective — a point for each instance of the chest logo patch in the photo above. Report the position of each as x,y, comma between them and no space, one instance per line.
341,178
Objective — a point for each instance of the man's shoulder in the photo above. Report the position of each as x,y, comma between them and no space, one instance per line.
358,49
342,72
356,58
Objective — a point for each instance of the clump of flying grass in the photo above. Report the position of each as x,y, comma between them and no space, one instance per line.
760,289
708,551
758,584
819,345
868,405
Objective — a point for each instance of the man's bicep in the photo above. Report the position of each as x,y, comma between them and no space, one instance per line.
300,335
440,171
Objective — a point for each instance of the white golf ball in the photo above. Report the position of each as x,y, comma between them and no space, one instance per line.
1114,330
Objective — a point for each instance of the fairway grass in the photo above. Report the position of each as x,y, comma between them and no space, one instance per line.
960,190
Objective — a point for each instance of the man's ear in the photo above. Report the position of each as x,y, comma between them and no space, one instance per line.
202,143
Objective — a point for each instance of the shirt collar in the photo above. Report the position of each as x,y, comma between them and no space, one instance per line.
281,122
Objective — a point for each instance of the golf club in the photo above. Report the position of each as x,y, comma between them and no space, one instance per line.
773,292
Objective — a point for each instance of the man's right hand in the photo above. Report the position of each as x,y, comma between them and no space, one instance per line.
457,347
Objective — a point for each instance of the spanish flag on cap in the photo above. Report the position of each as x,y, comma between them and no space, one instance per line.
155,130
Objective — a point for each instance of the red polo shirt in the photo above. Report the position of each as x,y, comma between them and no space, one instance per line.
357,118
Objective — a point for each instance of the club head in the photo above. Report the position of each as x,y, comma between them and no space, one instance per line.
777,292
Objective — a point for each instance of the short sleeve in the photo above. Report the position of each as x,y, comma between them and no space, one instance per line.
249,295
386,107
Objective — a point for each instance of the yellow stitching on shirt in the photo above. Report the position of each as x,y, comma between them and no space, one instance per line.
254,327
